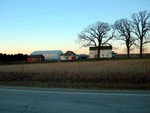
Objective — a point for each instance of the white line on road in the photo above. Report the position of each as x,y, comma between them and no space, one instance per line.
78,93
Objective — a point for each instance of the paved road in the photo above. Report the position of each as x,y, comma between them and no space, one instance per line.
58,101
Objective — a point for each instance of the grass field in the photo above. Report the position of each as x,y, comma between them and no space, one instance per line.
113,74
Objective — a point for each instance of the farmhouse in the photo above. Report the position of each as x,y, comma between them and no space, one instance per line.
105,52
49,55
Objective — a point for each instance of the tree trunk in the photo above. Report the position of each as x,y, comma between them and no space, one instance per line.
141,48
128,48
128,52
98,53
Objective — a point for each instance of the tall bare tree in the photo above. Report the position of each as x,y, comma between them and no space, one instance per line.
141,24
124,30
96,35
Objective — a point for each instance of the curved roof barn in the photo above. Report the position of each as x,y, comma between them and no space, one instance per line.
49,54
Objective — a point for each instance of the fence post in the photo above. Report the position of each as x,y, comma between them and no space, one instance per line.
22,67
145,66
78,67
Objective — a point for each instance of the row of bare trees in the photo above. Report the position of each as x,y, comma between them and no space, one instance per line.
134,32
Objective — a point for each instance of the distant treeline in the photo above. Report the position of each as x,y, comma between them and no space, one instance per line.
145,55
12,58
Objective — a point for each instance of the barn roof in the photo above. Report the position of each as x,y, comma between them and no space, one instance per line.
102,48
70,53
47,52
35,56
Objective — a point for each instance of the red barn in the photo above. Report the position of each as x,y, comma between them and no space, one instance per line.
35,58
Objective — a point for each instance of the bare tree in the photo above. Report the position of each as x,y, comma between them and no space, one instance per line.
124,30
95,35
141,24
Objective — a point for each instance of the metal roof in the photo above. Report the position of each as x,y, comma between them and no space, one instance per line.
47,52
70,53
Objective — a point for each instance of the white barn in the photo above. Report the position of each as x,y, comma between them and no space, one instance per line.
105,52
49,54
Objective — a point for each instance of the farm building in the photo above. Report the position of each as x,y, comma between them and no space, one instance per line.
35,58
105,52
69,55
82,56
49,55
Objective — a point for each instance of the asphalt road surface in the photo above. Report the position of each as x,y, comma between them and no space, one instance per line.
58,101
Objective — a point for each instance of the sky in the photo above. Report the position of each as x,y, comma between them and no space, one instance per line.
29,25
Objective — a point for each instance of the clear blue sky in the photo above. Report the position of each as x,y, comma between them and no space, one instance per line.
28,25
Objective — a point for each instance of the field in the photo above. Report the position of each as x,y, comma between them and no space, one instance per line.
112,74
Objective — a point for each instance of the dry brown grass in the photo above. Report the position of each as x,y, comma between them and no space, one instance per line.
119,74
122,66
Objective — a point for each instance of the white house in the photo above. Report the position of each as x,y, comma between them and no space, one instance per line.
105,52
49,54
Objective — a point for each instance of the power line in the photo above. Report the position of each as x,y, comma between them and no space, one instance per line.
62,20
75,9
67,19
